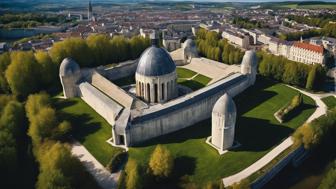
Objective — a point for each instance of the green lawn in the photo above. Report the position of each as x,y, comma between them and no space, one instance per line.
257,130
196,83
90,128
330,101
184,73
202,79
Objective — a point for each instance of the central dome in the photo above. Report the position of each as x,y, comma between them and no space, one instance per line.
155,61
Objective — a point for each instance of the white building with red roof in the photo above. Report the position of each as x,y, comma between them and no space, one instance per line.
306,53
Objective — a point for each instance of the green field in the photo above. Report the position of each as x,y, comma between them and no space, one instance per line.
195,161
329,101
184,73
91,129
257,131
293,5
185,77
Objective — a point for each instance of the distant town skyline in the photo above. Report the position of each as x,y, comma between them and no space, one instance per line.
119,1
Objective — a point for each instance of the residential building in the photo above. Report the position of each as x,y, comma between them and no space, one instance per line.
307,53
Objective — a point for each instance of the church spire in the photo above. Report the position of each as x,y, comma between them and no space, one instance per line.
90,12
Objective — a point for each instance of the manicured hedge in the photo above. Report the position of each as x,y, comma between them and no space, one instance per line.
287,112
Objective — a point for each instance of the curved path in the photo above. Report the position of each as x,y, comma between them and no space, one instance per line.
104,178
320,110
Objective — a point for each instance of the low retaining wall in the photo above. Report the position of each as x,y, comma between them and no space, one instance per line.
293,156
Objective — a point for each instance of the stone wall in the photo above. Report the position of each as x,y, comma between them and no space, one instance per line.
261,181
123,69
102,104
111,90
184,111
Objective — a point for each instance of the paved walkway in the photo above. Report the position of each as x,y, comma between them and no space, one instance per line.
321,107
104,178
258,164
320,110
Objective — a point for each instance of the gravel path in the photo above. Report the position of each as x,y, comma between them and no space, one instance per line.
320,110
104,178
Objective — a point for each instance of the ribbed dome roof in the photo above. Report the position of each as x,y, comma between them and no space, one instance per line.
224,105
68,67
155,61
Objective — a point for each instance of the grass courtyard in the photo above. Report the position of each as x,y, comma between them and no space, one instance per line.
195,161
90,129
329,101
185,77
257,131
191,79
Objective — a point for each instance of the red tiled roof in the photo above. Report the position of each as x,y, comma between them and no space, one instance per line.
315,48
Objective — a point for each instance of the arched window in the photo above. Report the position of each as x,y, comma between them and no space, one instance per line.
142,90
148,93
162,91
156,99
168,89
138,87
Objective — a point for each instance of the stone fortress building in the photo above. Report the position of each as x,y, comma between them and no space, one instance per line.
156,107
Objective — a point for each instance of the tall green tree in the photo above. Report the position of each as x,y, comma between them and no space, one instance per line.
311,78
23,73
75,48
161,162
329,180
48,70
101,49
13,120
4,62
133,178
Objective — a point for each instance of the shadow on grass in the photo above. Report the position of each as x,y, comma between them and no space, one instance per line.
298,111
192,84
197,131
252,134
261,130
254,95
184,165
82,124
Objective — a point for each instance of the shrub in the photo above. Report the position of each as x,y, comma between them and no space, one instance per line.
116,162
243,184
318,131
133,178
161,162
287,111
329,180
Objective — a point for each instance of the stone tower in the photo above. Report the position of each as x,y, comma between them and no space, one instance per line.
223,123
189,51
69,74
90,11
249,66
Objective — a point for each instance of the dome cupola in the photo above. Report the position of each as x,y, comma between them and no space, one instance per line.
156,74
